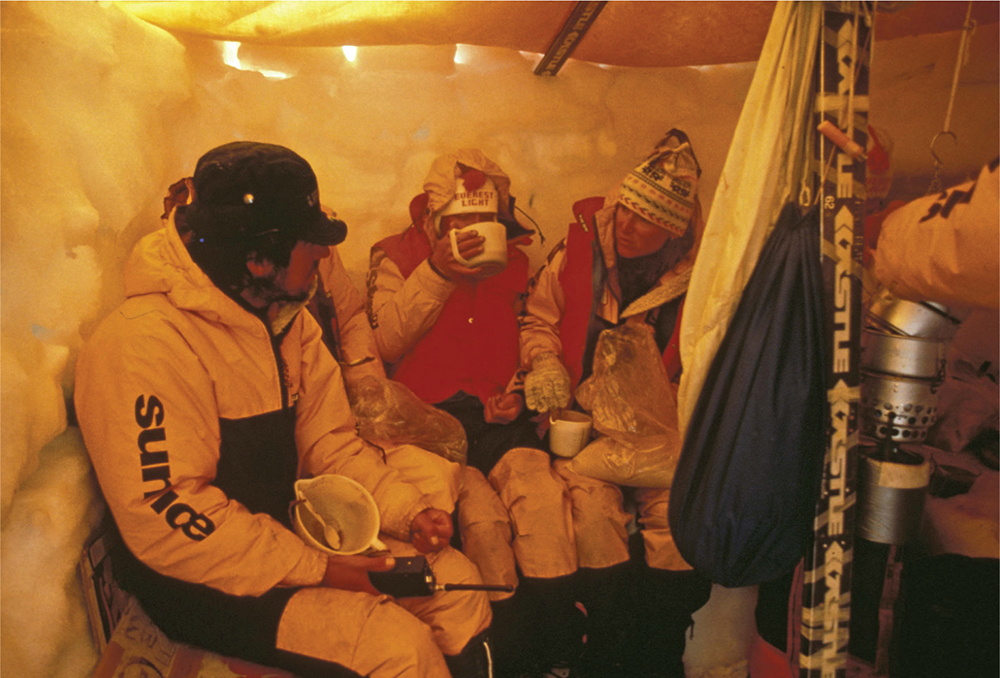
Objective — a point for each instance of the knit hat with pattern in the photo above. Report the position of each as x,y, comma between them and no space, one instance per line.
663,188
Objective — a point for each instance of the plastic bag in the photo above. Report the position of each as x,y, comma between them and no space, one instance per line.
389,413
633,406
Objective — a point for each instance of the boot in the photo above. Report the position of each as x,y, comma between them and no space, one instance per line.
510,637
666,601
553,625
474,661
608,596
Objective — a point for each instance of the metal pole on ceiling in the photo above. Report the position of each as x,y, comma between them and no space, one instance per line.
579,22
841,99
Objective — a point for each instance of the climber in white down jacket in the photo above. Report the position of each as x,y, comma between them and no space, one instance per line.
943,247
202,399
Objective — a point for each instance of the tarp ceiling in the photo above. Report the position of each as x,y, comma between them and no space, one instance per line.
626,33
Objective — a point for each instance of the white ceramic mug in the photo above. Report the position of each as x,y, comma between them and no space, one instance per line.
493,259
569,432
337,515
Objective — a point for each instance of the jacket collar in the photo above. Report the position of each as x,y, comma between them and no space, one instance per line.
161,264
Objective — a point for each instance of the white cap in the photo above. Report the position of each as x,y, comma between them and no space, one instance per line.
483,199
446,182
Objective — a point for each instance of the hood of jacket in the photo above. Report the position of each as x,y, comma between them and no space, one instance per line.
160,264
440,185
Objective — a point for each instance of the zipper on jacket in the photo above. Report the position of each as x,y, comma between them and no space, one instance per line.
276,342
279,362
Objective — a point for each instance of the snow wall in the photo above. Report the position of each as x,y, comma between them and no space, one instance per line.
101,112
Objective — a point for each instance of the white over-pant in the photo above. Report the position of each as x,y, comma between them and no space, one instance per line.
381,636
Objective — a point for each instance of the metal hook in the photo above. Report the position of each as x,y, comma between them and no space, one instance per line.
937,136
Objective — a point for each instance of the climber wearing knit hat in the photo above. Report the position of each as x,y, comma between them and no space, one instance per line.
626,260
645,231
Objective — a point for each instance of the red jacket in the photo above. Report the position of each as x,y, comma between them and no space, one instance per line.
473,345
580,296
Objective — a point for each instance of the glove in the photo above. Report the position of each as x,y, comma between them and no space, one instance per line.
547,386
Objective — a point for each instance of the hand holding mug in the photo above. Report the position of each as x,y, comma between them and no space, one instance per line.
492,255
469,244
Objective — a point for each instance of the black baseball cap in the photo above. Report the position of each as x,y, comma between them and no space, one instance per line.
246,189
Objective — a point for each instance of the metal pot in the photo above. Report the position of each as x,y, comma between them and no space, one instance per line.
959,315
898,408
903,356
911,318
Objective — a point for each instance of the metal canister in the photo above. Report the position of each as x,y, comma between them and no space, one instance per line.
892,488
